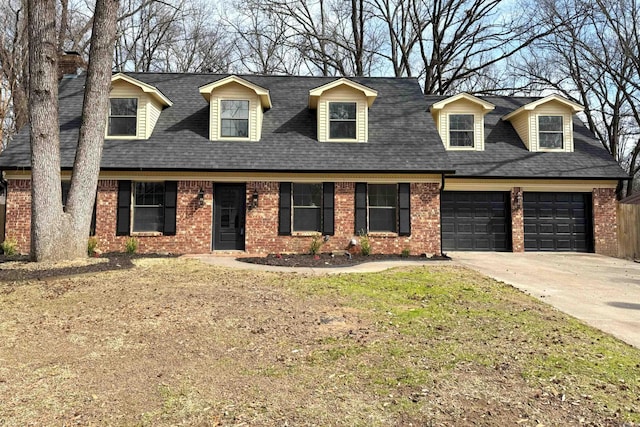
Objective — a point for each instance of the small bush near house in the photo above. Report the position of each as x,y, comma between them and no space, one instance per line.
365,244
316,244
405,253
92,245
10,246
131,245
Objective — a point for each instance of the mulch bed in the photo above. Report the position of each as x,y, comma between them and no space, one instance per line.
38,271
332,259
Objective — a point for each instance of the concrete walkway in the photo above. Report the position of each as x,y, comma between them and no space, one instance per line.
367,267
601,291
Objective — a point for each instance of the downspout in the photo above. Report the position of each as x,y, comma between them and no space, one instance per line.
440,210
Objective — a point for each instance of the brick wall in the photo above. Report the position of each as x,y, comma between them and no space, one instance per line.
193,233
18,217
517,220
605,221
194,223
262,223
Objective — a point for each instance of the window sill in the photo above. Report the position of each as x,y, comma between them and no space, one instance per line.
305,233
146,234
382,234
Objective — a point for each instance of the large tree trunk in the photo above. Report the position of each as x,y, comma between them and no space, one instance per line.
55,234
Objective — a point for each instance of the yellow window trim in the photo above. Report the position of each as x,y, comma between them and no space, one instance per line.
146,88
263,94
315,94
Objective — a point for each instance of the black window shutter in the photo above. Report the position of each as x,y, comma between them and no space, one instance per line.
124,208
361,207
92,230
404,207
328,191
170,199
284,220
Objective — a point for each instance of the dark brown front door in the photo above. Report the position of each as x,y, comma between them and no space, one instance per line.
228,216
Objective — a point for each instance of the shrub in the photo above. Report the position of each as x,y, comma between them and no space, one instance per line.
92,244
10,246
365,244
405,253
131,245
316,244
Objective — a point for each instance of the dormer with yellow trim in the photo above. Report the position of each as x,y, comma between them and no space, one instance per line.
460,121
134,108
342,110
546,124
236,109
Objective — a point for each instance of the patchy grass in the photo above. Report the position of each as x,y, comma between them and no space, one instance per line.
176,342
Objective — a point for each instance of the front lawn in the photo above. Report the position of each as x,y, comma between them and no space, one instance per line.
177,342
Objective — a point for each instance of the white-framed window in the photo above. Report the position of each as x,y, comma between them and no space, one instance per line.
123,117
342,120
148,207
307,207
461,130
234,118
550,132
383,207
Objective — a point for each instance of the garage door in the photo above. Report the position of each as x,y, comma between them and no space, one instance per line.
557,222
475,221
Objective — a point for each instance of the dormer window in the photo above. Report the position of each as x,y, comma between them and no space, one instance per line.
342,120
342,110
123,117
236,109
460,121
234,118
461,130
550,132
545,124
134,108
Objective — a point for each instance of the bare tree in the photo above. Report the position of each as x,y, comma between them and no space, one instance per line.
591,59
58,233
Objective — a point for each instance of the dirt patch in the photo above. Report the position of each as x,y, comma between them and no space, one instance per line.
176,342
20,268
336,259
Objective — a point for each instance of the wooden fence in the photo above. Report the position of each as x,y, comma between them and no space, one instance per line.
629,230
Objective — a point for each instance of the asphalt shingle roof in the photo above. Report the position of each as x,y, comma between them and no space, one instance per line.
506,156
402,135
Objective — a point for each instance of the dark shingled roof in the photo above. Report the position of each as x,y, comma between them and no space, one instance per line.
506,156
402,135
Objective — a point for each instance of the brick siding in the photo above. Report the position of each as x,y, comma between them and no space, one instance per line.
605,221
194,223
517,220
262,223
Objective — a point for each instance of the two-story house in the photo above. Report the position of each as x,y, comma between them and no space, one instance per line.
195,163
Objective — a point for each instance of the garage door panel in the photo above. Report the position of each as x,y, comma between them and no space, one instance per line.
557,221
477,221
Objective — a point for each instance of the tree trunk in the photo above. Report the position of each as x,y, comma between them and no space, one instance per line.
55,234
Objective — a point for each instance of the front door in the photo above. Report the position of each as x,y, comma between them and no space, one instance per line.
228,216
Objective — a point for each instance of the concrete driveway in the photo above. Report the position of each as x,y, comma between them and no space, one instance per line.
603,292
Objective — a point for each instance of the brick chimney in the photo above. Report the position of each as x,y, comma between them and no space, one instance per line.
70,64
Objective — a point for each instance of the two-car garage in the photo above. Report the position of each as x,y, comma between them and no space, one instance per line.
481,221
